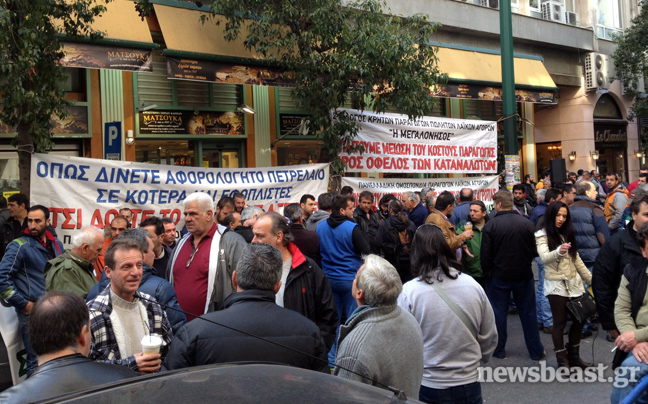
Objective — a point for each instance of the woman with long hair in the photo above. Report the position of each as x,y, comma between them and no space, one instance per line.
394,239
558,251
455,316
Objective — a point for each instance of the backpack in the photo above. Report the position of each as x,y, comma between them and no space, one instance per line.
396,244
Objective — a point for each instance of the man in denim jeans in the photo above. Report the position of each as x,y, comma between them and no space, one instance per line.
21,271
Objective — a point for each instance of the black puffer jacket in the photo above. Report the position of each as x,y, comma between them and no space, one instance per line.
255,312
308,292
615,254
508,247
64,375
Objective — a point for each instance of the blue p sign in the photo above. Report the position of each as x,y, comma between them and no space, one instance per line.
112,141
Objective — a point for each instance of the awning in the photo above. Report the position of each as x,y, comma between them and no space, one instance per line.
478,75
126,44
197,51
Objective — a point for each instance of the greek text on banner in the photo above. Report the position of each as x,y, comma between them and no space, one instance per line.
84,192
483,187
394,143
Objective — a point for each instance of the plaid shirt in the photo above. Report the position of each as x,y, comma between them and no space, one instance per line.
104,344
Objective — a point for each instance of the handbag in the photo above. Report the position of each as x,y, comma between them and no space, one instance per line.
582,307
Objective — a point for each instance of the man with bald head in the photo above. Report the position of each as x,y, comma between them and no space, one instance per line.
304,289
73,271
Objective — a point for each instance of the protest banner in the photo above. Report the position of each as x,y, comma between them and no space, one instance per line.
483,187
89,192
395,144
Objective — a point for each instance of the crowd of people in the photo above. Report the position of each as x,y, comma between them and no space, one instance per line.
368,290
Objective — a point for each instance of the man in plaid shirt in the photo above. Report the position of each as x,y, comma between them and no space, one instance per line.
120,315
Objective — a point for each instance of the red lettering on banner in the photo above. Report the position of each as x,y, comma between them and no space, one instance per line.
388,163
145,215
353,161
96,219
54,215
68,218
79,218
397,148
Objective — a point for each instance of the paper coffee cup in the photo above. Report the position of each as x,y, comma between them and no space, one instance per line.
151,344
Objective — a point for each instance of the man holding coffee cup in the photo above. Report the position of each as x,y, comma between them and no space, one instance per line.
124,320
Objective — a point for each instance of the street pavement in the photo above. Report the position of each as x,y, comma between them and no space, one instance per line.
594,349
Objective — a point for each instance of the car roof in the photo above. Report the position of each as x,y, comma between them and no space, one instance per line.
236,383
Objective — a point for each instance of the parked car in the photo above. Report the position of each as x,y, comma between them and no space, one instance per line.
239,383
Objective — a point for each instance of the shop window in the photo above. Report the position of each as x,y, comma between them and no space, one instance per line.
78,123
299,152
169,152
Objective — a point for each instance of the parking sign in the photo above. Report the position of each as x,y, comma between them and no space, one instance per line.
112,141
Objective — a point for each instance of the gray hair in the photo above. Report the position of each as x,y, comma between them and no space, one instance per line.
379,281
540,194
249,212
87,235
425,190
259,267
583,187
139,235
430,201
203,200
412,196
546,181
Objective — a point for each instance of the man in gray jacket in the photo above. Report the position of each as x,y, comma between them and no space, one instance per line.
366,349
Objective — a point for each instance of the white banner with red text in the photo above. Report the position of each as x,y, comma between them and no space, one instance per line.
393,143
483,187
84,192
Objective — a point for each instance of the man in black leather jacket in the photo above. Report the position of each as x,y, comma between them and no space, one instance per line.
59,330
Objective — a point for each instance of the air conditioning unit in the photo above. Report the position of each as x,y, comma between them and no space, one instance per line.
553,11
489,3
571,18
641,87
596,71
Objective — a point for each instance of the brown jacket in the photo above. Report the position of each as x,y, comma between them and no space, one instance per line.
438,218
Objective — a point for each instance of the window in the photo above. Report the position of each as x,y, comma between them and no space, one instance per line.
156,88
608,19
534,5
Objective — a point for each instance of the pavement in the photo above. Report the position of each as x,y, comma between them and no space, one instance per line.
594,349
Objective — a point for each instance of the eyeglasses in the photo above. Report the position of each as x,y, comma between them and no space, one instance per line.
191,257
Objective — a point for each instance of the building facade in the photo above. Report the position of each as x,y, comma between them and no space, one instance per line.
179,94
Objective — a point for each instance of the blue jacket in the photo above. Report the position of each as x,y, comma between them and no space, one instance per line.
418,215
340,256
461,212
154,286
590,227
538,211
21,269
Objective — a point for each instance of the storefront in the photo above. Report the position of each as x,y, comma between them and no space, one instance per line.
610,137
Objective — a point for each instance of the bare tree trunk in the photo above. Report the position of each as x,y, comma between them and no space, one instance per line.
25,150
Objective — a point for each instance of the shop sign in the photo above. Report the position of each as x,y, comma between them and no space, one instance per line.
204,70
289,124
169,122
478,92
395,144
610,133
76,123
106,57
83,192
483,187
